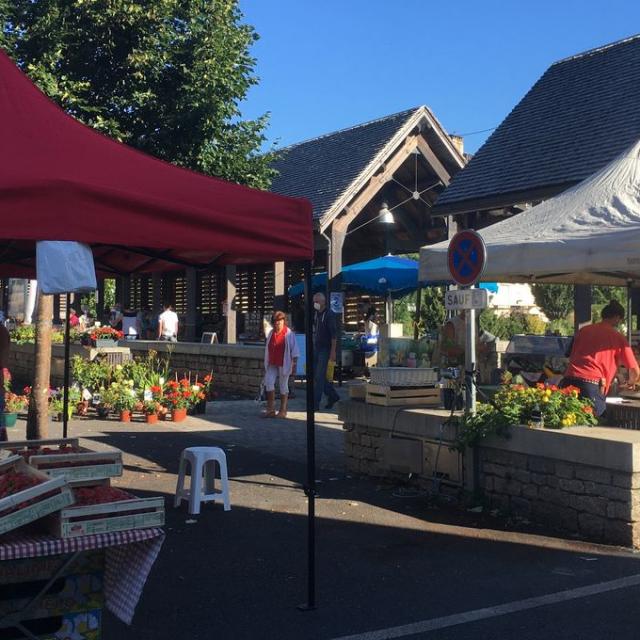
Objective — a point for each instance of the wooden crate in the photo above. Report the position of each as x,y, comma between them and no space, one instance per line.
137,513
358,390
398,396
51,495
84,466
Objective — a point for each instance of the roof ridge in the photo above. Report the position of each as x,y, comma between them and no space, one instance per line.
353,127
595,50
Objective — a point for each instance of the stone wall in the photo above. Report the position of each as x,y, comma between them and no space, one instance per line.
595,502
236,368
409,446
579,481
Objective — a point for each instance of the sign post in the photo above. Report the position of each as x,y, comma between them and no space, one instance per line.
466,257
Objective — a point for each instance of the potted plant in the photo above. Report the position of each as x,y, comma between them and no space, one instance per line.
105,336
105,404
151,411
178,397
124,399
13,405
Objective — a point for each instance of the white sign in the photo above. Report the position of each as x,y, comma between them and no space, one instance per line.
466,299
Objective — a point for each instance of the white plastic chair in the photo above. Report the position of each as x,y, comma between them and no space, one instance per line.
203,462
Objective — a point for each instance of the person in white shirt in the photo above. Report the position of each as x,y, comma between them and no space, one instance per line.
168,324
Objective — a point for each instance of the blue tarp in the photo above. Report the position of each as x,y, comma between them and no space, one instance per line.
380,276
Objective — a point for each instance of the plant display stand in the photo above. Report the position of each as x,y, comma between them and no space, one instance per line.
389,396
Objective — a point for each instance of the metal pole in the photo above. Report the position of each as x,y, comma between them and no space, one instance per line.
67,342
310,487
470,361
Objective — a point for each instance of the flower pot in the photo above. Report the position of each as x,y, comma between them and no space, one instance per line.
178,415
106,342
8,419
82,407
152,418
125,415
103,412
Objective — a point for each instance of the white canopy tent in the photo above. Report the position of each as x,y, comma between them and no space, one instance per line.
589,234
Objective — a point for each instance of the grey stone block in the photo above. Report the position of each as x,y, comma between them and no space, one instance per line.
572,486
564,470
591,525
619,511
530,491
591,504
520,506
542,465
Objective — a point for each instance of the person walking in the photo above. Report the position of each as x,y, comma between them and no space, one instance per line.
597,352
280,358
168,324
324,351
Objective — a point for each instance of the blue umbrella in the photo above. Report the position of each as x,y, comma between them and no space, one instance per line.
389,275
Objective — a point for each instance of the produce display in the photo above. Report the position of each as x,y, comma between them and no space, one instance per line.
99,495
65,457
27,494
14,481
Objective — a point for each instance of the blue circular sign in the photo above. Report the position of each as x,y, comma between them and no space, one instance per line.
467,257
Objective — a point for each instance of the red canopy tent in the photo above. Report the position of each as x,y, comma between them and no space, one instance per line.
61,180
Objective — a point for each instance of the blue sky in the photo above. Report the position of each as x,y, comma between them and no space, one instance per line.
329,64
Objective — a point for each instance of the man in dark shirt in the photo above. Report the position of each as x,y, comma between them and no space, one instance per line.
324,350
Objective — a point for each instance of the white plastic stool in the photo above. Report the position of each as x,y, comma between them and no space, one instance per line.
202,461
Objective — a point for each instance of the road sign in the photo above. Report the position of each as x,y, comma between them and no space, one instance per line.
466,257
466,299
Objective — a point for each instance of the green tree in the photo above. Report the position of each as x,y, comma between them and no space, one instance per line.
555,300
166,77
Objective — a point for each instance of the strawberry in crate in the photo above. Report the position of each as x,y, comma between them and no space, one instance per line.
100,494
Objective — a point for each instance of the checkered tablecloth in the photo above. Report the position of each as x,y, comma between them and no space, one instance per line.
129,556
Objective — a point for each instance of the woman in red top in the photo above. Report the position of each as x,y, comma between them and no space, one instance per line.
280,358
598,350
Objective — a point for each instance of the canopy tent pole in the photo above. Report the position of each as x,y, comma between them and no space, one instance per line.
310,486
67,342
389,308
418,315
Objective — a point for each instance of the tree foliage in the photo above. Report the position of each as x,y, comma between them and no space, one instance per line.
166,77
555,300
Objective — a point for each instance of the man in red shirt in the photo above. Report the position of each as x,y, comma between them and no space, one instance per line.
598,350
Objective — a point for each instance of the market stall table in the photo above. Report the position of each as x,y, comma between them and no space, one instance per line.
128,558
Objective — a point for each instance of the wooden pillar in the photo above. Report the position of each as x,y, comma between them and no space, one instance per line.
230,318
124,296
279,293
635,308
156,303
192,302
581,305
56,308
100,299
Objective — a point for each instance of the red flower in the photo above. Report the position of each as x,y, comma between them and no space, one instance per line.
587,409
208,378
539,385
156,389
186,394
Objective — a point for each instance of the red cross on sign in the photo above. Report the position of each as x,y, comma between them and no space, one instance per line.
466,257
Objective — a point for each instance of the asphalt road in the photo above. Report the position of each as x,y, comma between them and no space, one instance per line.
389,563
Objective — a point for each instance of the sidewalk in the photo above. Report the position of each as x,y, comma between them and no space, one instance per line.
384,557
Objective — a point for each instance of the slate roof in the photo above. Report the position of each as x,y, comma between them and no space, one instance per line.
321,169
581,114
